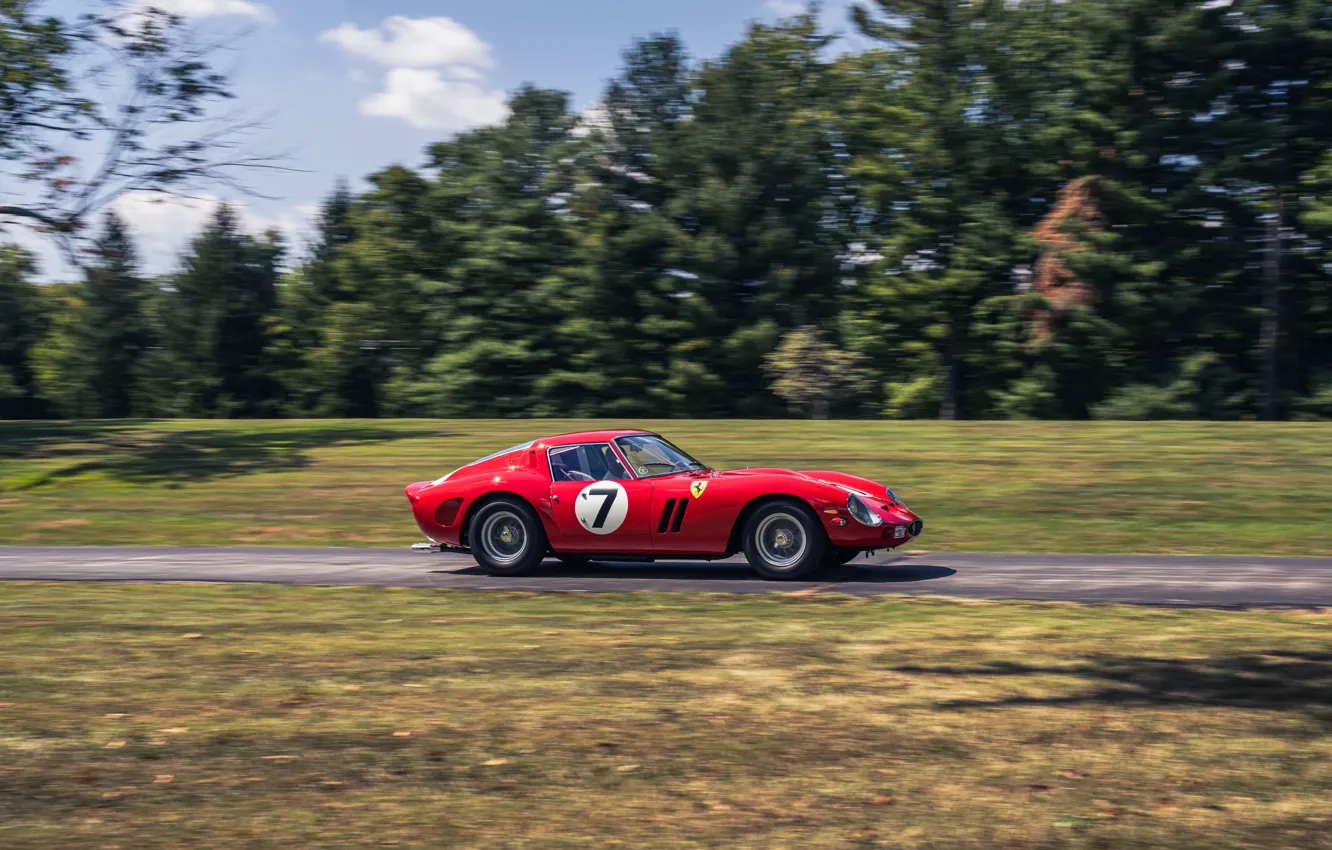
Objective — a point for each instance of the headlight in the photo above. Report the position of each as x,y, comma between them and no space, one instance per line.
861,511
896,498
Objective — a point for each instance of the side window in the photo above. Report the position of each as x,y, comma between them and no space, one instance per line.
593,462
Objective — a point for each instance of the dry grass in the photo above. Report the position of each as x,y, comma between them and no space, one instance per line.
1202,488
163,717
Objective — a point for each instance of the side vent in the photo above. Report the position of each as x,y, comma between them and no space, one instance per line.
666,516
447,513
679,516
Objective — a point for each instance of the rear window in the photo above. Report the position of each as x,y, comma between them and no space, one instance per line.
523,447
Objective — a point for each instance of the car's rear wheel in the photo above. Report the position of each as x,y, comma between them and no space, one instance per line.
783,541
507,538
836,556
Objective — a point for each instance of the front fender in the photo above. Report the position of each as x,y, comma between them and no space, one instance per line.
855,482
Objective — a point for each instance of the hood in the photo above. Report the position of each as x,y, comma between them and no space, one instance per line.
732,473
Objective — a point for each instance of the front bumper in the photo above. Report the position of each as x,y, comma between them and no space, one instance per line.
900,526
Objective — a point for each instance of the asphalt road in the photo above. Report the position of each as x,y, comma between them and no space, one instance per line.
1177,581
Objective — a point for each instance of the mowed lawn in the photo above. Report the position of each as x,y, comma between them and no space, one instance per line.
1203,488
236,717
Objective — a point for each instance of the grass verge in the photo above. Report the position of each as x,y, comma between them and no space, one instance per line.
1173,488
162,717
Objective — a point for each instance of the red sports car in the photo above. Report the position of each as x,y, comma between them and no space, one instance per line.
632,495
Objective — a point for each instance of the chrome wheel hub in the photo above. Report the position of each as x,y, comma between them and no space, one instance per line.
781,541
503,538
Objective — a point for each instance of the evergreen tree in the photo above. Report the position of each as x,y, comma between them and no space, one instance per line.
335,365
1260,75
495,255
630,315
766,205
1044,209
218,322
938,128
115,331
22,323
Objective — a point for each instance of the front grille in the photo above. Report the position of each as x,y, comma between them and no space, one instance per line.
916,528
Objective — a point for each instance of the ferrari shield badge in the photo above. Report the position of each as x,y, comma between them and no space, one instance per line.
697,488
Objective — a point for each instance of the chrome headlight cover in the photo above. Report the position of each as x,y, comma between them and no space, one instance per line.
862,512
893,495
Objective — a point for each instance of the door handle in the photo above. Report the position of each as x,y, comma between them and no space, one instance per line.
555,499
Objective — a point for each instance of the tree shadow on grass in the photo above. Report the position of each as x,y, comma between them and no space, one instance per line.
1279,680
35,439
144,455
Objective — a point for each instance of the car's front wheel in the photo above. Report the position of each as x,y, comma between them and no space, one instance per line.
507,538
783,541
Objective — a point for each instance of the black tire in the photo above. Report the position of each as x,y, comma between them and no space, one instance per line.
837,556
792,544
506,538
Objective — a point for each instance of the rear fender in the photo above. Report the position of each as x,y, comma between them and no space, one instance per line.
495,495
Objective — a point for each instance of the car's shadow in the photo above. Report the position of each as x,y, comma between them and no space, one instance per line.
894,573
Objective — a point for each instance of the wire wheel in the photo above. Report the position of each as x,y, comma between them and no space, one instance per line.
781,540
503,537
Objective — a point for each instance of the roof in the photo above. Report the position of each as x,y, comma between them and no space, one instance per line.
588,437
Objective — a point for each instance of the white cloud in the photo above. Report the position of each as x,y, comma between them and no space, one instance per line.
212,8
402,42
436,72
785,8
163,226
428,100
462,72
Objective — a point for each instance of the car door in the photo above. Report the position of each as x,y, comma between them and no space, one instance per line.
597,504
682,511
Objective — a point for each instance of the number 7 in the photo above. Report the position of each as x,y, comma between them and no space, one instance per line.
610,497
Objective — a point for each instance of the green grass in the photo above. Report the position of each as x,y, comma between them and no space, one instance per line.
1205,488
218,717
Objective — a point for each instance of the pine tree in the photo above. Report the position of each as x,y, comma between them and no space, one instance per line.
117,333
766,205
334,360
23,321
218,327
940,130
492,262
630,312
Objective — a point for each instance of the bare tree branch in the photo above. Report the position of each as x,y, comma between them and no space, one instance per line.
113,102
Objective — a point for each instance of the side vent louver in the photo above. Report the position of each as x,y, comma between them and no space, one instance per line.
666,516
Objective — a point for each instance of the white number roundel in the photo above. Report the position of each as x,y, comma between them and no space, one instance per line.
602,507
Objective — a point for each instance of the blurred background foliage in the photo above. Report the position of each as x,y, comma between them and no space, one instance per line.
1058,209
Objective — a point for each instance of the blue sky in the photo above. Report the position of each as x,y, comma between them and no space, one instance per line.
351,86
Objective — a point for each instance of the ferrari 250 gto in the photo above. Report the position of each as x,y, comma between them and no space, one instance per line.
632,495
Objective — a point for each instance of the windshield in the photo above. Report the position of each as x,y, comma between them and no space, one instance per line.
651,456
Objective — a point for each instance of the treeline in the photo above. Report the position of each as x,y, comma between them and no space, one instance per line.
1050,209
